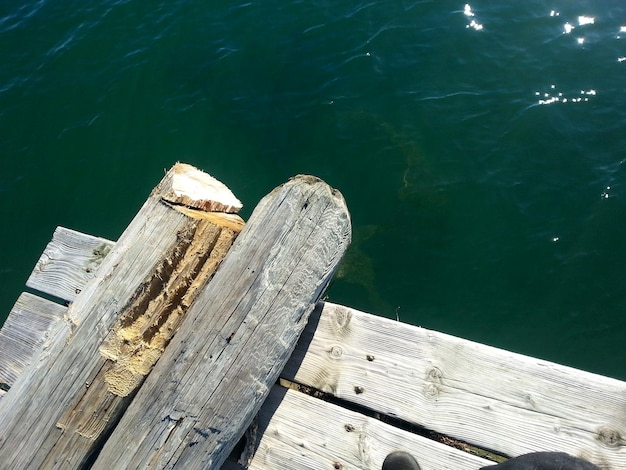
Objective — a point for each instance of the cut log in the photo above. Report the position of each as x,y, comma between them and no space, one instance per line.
117,327
213,377
196,189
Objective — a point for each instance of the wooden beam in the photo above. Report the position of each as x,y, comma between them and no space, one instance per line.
488,397
212,379
69,261
297,431
117,327
30,324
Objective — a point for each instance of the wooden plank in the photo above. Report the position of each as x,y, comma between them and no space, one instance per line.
297,431
206,388
482,395
118,324
24,334
68,263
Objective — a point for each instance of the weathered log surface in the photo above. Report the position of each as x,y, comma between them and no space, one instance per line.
55,417
212,379
489,397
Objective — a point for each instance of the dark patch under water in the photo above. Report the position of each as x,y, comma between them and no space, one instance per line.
480,147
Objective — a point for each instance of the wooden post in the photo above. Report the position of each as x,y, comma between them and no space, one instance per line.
212,379
118,326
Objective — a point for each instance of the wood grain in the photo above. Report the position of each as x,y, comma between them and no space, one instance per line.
30,325
485,396
301,432
214,376
69,261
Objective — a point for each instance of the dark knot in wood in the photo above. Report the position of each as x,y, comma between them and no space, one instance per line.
609,437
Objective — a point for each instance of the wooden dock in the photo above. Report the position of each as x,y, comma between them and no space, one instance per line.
195,341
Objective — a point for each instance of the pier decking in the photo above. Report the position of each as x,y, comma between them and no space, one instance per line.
172,349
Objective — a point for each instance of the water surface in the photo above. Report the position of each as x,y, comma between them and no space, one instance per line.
480,147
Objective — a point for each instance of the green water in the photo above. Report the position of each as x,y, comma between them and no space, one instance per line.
482,157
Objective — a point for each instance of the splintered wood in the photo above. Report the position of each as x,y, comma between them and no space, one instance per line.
155,312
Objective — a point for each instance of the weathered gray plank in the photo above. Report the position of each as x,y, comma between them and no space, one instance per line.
482,395
53,418
297,431
207,387
68,263
24,334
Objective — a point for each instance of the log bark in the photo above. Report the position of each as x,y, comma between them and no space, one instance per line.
212,379
118,326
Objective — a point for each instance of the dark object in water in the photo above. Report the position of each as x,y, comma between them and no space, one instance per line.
544,461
